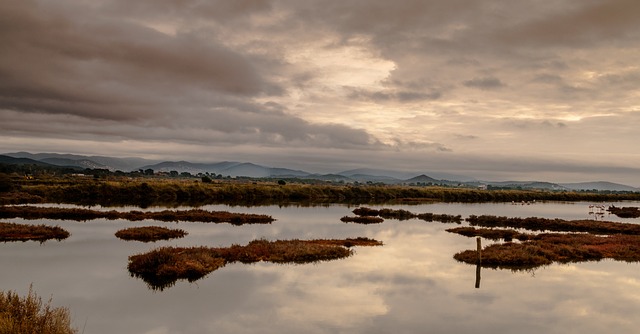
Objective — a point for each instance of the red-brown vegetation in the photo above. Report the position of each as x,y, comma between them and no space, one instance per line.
401,214
193,215
547,248
161,267
492,234
558,225
24,232
362,220
625,212
150,233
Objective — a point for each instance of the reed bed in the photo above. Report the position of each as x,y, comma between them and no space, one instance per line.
150,233
25,232
193,215
29,315
557,225
162,267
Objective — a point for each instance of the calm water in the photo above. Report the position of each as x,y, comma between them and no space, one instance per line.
409,285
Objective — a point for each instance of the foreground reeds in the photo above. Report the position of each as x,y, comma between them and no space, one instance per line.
150,233
162,267
25,232
546,248
29,315
193,215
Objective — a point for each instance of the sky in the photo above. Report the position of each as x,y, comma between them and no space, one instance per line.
495,89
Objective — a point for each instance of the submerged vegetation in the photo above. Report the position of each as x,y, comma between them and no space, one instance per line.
162,267
24,232
26,315
193,215
150,233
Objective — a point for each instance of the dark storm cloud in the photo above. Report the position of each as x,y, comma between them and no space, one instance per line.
95,66
78,61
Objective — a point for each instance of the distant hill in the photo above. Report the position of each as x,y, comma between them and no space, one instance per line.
110,163
5,159
248,169
422,179
83,163
527,185
600,185
402,176
226,168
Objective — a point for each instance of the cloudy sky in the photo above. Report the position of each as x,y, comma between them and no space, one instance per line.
495,89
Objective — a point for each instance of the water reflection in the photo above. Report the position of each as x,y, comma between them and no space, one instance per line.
411,285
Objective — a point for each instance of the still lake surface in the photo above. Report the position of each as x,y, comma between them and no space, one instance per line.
412,284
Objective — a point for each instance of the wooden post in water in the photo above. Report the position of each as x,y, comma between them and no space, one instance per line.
479,243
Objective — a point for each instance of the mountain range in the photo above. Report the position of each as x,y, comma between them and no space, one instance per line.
247,169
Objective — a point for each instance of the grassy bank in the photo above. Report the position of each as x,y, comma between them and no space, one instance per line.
162,267
145,192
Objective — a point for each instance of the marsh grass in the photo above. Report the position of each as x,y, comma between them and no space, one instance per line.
546,248
401,214
491,234
557,225
193,215
162,267
625,212
362,220
150,233
25,232
29,315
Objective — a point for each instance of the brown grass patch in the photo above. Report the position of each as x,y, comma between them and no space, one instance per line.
362,220
194,215
401,214
150,233
492,234
162,267
24,232
557,225
625,212
547,248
